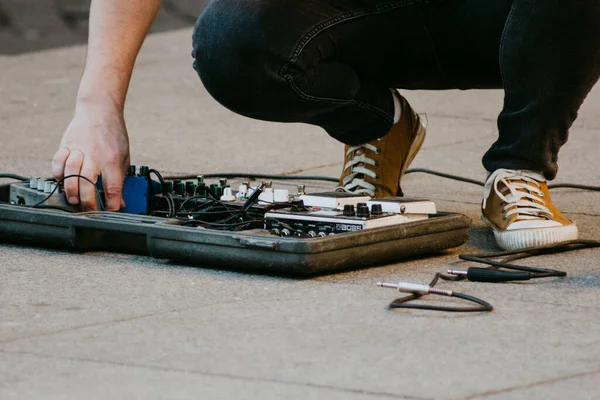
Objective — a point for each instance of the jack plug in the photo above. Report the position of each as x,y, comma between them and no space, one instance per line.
253,198
414,288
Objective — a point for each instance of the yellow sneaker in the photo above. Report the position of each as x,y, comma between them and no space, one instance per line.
518,208
376,168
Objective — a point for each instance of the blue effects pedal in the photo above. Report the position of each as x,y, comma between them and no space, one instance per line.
137,192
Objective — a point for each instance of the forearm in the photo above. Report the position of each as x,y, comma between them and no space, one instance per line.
117,31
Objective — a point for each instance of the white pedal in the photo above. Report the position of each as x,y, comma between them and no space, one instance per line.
333,200
404,205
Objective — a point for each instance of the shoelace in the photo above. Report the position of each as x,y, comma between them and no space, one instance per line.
528,202
355,182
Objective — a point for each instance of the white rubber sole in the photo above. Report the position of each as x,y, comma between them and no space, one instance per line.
523,238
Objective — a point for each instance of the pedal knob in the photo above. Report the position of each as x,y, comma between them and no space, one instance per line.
321,234
362,210
227,195
33,183
312,234
143,171
47,187
285,232
243,190
213,189
376,209
349,210
222,182
168,187
131,170
179,188
201,190
301,189
190,188
40,184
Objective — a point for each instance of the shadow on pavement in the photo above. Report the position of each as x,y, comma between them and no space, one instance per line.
35,25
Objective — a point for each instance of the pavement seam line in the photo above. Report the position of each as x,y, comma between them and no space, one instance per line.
529,385
157,314
221,375
115,321
297,171
485,118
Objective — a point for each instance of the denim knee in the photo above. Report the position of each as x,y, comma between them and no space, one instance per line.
235,54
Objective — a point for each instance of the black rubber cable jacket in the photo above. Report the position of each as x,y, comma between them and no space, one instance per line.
484,306
242,175
14,176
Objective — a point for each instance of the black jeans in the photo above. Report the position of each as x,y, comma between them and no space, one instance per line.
332,63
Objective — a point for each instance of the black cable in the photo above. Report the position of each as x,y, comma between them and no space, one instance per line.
535,272
163,186
484,306
444,175
253,199
574,186
251,176
496,272
233,214
479,183
198,197
13,176
234,175
535,251
404,302
60,181
170,207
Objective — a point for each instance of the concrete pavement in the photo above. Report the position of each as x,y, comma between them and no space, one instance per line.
119,326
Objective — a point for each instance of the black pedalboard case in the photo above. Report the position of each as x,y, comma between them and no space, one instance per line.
255,250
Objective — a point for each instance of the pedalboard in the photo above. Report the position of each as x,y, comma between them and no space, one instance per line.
197,203
252,226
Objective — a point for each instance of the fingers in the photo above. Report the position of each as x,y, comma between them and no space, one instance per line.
80,191
58,163
87,190
112,183
73,165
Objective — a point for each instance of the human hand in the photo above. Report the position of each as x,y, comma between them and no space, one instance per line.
95,143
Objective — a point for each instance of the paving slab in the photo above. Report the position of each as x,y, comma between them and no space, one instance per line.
33,375
582,386
362,345
45,291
